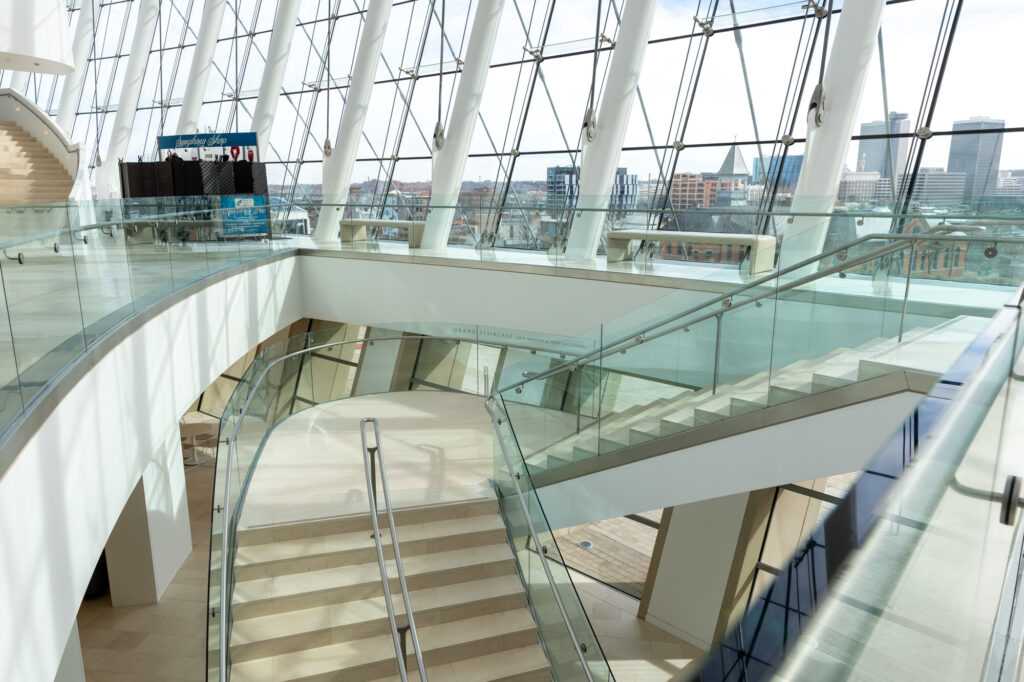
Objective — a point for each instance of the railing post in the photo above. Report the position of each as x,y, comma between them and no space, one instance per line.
718,351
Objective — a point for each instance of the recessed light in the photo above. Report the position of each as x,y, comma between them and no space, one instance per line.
586,544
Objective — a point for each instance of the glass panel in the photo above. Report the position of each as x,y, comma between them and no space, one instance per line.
42,297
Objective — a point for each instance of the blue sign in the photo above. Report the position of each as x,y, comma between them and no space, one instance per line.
244,214
207,140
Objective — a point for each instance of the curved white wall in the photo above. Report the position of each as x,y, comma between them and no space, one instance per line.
60,498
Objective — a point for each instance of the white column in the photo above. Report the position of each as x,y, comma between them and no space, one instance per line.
81,46
450,160
601,156
828,141
152,536
273,72
19,81
107,176
199,71
337,170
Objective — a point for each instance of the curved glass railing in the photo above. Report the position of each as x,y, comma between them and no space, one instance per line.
72,272
915,576
293,375
854,313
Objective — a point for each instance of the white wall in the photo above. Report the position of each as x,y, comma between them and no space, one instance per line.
381,291
60,498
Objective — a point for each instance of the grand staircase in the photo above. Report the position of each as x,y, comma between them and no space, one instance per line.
925,351
308,603
29,174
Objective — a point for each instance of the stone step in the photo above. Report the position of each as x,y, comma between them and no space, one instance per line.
361,522
294,591
372,658
276,634
358,547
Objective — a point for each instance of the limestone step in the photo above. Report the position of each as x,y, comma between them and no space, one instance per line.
355,547
308,589
372,658
527,664
347,524
307,628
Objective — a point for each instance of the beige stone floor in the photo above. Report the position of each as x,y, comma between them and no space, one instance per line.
637,651
164,641
438,447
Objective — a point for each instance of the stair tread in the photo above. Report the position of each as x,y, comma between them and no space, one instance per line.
250,555
361,523
289,584
347,655
510,664
262,628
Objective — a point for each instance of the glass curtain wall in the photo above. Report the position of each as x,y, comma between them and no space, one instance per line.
714,139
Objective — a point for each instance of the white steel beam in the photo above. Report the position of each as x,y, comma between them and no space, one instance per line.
273,72
450,160
199,71
81,46
829,130
601,156
337,170
107,175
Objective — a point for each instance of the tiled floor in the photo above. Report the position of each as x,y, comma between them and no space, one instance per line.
619,553
637,651
164,641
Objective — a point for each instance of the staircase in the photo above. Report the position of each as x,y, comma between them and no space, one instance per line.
308,602
29,174
927,351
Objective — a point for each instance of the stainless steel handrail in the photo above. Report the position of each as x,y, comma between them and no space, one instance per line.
1007,640
658,329
225,602
536,542
371,485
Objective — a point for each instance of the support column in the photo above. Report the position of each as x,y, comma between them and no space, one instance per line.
337,170
450,160
152,536
81,46
199,71
19,81
706,556
273,72
385,366
601,156
107,176
829,130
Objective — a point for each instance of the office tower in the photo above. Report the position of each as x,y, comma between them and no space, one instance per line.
871,154
977,156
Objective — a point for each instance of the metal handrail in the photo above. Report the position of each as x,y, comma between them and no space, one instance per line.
371,486
225,601
488,402
646,334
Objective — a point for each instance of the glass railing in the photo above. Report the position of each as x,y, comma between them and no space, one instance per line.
74,271
298,373
914,576
637,235
859,312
